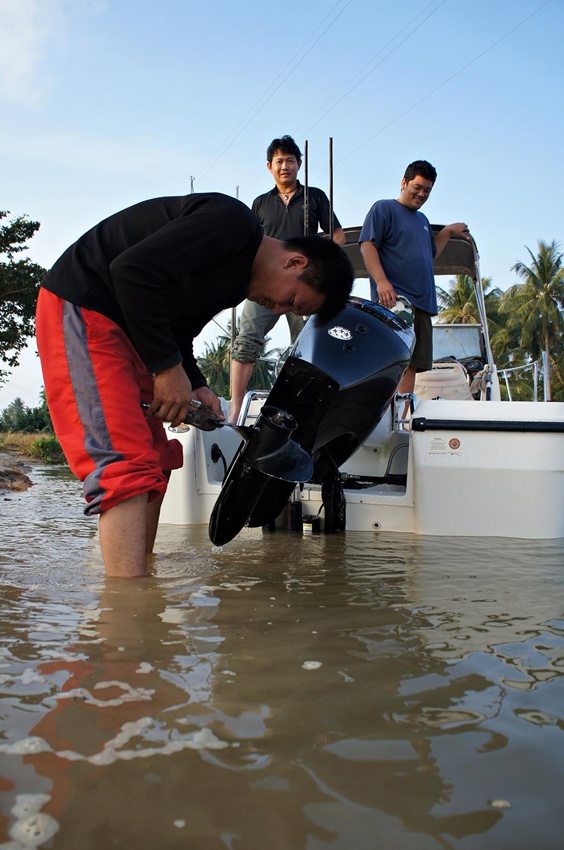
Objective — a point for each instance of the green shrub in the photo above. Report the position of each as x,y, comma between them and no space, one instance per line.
48,450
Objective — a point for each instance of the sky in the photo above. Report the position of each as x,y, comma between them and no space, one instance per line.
104,103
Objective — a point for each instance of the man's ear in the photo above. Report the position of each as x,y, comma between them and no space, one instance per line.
269,166
296,261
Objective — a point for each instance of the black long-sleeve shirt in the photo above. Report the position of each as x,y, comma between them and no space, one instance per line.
283,221
162,269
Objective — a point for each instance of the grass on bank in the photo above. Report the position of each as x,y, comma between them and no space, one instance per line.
43,447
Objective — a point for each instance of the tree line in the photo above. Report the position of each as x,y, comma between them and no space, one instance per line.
525,322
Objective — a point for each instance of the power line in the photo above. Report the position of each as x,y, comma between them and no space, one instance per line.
447,80
347,88
292,65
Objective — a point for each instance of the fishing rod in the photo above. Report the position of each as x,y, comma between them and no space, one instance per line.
331,225
306,189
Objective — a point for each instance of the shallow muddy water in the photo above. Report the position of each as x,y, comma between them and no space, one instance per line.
283,693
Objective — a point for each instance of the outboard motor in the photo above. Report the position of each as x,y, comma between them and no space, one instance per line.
267,453
336,384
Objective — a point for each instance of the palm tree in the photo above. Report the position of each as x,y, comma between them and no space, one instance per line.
459,305
265,371
536,306
214,365
216,359
557,375
506,345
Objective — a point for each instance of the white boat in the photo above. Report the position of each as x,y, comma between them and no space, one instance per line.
464,463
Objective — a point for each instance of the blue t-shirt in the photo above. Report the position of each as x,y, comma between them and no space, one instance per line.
406,246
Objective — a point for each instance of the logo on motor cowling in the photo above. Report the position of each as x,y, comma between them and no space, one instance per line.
339,332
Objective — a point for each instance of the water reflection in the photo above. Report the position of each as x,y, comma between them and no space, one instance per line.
282,693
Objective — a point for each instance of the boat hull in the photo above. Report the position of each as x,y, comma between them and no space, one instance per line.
491,483
493,469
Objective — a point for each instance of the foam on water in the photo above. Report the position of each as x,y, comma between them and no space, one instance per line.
201,739
129,694
312,665
32,827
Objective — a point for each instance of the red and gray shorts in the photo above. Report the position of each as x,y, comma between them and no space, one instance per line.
95,383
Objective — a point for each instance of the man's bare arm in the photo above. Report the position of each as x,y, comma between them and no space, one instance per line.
386,292
456,229
339,236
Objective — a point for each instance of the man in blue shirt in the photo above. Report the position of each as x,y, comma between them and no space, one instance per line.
398,249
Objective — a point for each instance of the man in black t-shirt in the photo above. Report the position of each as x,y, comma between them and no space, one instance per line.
281,212
116,319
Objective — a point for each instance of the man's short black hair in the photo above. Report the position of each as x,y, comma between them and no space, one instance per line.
420,168
285,145
329,271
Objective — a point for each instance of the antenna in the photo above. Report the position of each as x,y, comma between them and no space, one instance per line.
234,309
306,190
331,227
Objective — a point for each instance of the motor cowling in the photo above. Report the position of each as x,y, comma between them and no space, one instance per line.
336,385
